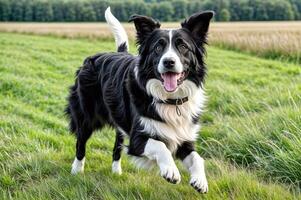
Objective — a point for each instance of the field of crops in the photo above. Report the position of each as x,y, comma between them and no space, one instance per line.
250,136
268,39
280,40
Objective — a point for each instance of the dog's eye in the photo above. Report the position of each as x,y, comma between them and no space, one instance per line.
158,49
182,48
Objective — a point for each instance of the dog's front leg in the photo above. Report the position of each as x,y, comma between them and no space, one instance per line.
195,164
157,150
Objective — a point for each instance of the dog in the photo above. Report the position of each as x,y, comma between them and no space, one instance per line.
154,98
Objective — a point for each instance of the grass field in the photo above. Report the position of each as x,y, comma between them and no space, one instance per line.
281,40
250,136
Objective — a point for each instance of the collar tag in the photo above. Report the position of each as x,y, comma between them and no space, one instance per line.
178,111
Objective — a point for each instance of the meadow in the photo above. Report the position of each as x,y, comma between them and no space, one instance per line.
250,136
280,40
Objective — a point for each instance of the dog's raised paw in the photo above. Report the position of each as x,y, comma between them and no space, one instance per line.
199,183
171,174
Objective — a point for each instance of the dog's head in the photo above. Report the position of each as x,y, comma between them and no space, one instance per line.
171,58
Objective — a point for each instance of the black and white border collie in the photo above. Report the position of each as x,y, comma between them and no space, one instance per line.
155,98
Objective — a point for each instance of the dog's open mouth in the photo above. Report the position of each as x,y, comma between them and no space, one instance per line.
172,80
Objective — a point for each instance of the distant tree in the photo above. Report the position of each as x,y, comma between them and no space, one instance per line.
295,12
43,11
225,15
58,11
241,10
261,14
211,5
260,11
129,7
281,10
5,10
217,6
179,9
16,10
48,12
70,11
78,6
119,11
87,12
99,9
194,7
173,10
142,8
162,11
28,11
247,13
296,5
234,9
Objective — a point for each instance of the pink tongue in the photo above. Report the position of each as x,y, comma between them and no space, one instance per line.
170,81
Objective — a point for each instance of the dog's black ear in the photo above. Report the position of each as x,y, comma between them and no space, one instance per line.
198,25
144,26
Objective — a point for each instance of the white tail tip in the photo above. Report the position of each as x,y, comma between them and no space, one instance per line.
117,29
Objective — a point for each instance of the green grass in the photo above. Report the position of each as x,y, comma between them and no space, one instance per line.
250,136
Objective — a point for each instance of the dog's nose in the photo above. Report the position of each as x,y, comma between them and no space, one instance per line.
169,62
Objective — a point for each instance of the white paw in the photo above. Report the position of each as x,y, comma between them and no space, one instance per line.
199,182
78,166
170,173
116,167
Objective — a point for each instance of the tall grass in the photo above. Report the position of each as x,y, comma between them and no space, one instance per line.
256,119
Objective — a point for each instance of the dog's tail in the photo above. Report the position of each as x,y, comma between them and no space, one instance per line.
120,35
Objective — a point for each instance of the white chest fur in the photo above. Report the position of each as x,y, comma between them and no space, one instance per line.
176,129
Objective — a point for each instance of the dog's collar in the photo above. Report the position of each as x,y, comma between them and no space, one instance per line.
175,102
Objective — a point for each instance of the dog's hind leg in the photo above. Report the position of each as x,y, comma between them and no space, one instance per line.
116,165
83,134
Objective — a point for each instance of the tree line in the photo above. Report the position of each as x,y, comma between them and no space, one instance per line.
174,10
